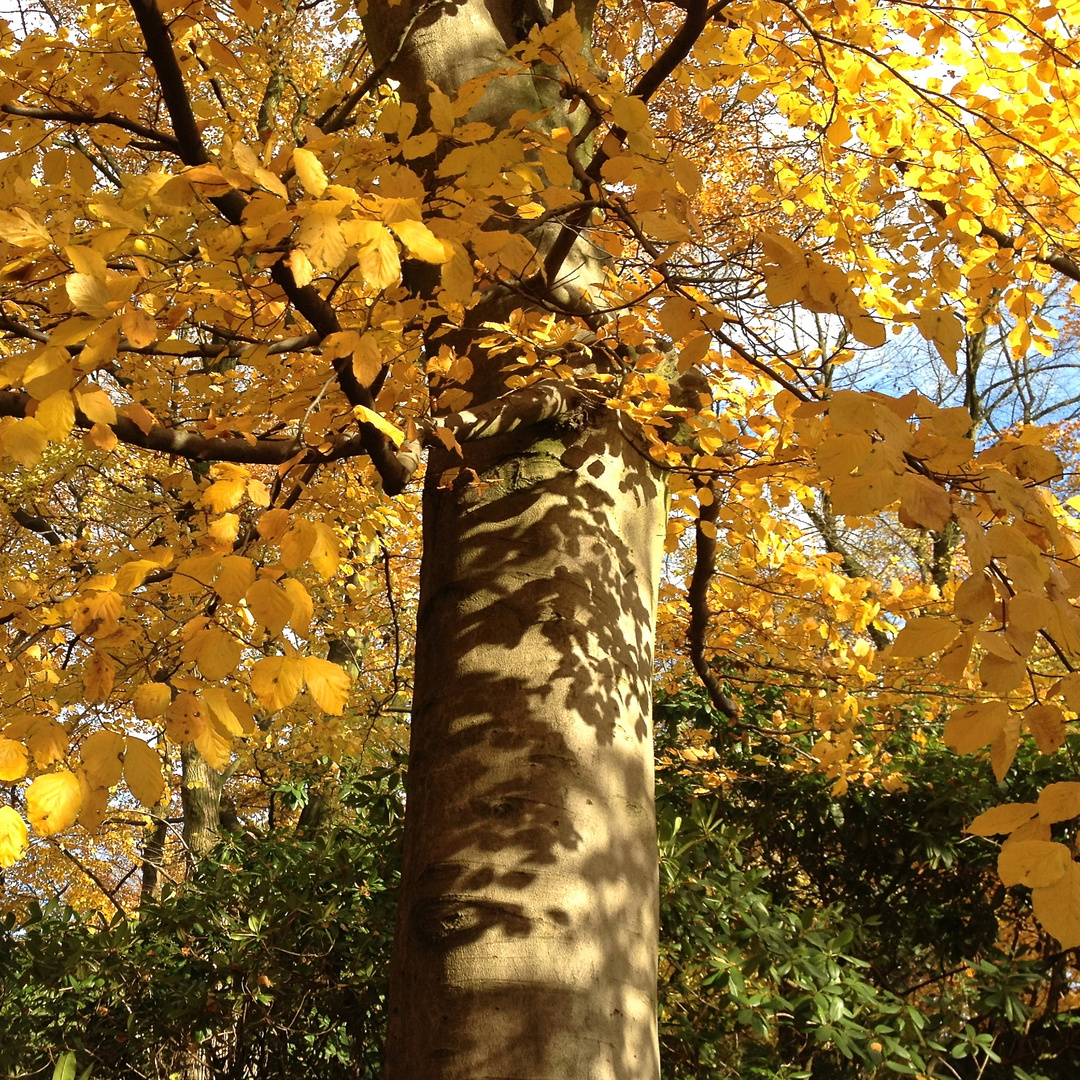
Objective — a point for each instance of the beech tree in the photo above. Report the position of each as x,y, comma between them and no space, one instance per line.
270,267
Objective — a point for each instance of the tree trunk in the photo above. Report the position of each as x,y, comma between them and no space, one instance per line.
527,932
526,943
153,853
200,795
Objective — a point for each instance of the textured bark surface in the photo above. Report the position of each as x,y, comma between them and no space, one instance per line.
527,932
526,941
200,796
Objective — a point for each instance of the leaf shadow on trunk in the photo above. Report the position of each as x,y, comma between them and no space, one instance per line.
528,923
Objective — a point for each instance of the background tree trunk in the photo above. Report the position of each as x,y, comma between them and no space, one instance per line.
200,796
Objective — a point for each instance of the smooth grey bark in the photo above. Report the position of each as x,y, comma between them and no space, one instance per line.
527,931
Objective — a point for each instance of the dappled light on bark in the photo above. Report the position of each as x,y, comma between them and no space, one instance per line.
528,900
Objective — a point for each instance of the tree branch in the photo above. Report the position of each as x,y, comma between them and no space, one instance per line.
395,471
337,116
159,139
1064,265
178,442
548,400
698,13
36,524
159,50
698,597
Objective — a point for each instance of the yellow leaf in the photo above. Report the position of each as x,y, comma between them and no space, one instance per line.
296,544
322,238
839,131
1047,726
999,674
53,802
310,171
1003,748
325,554
215,745
944,329
47,741
924,635
99,614
51,373
421,242
367,360
56,415
1059,802
14,837
24,440
236,576
224,494
224,531
13,760
194,574
974,599
139,327
679,318
327,683
869,331
95,801
277,680
22,231
630,113
301,267
1002,819
99,673
457,277
303,606
102,437
378,256
86,260
973,726
132,574
922,502
270,605
142,772
95,405
1057,907
215,651
230,710
1034,463
151,699
856,496
785,268
1035,863
369,416
103,758
843,454
273,524
248,163
89,294
184,719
